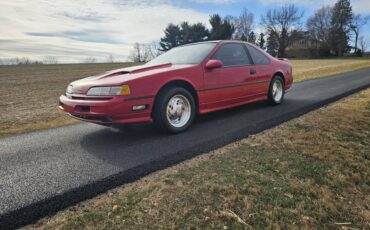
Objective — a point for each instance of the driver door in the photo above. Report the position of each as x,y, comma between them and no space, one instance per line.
230,84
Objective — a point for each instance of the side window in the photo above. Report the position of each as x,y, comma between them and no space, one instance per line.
232,55
258,57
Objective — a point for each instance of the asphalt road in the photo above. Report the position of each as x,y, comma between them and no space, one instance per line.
45,171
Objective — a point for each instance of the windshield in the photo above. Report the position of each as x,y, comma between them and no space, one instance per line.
189,54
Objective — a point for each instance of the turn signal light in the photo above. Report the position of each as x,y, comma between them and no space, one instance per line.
125,90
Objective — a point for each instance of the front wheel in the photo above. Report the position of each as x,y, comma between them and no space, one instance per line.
276,91
174,110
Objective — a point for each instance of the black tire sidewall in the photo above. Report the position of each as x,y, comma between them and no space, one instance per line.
160,116
270,96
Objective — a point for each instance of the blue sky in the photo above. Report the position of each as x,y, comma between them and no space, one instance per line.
259,8
74,30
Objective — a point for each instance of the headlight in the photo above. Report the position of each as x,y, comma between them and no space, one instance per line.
69,89
109,91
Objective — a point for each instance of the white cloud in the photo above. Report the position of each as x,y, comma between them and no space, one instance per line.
73,30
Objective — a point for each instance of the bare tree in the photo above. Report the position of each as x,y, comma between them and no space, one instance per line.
90,60
110,58
147,54
280,22
244,25
319,25
364,43
152,50
144,52
319,28
12,61
50,60
23,61
357,23
136,53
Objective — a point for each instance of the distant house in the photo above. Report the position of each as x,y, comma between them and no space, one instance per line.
302,46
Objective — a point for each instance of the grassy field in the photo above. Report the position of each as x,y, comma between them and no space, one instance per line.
30,92
310,173
316,68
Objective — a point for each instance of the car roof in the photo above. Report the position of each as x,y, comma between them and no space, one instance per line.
217,41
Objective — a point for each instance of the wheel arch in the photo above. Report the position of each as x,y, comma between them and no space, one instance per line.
179,83
280,73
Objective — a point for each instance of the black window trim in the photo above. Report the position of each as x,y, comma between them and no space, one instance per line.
250,56
233,66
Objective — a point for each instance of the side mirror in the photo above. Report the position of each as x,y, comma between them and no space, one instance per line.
214,64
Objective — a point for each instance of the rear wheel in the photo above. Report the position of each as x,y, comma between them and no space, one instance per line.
276,91
174,110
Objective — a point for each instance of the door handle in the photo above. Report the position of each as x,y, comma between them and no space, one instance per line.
252,71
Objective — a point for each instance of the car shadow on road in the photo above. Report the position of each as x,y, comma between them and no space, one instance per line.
120,146
132,145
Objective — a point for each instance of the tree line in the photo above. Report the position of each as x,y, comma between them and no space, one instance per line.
51,60
328,32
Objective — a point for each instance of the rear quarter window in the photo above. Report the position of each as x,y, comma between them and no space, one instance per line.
257,56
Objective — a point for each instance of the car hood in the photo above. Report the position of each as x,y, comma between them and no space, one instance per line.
120,76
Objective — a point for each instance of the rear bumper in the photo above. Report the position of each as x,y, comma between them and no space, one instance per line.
115,110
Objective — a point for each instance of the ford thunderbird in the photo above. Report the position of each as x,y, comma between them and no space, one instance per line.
172,89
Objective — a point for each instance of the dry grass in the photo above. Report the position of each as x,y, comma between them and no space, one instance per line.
316,68
30,92
309,173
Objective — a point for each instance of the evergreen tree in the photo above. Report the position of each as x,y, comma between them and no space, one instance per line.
261,41
172,37
198,33
243,38
222,29
272,43
252,37
340,26
185,33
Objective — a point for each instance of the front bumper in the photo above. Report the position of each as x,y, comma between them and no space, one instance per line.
106,111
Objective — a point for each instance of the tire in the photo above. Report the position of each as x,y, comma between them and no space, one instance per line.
174,110
276,95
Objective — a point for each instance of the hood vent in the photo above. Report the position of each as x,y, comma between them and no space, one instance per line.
147,68
117,73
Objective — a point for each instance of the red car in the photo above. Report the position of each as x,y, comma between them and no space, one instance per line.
179,84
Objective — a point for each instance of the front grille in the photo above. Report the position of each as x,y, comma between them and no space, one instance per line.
93,118
91,98
82,108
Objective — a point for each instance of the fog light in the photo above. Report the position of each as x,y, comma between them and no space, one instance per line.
139,107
